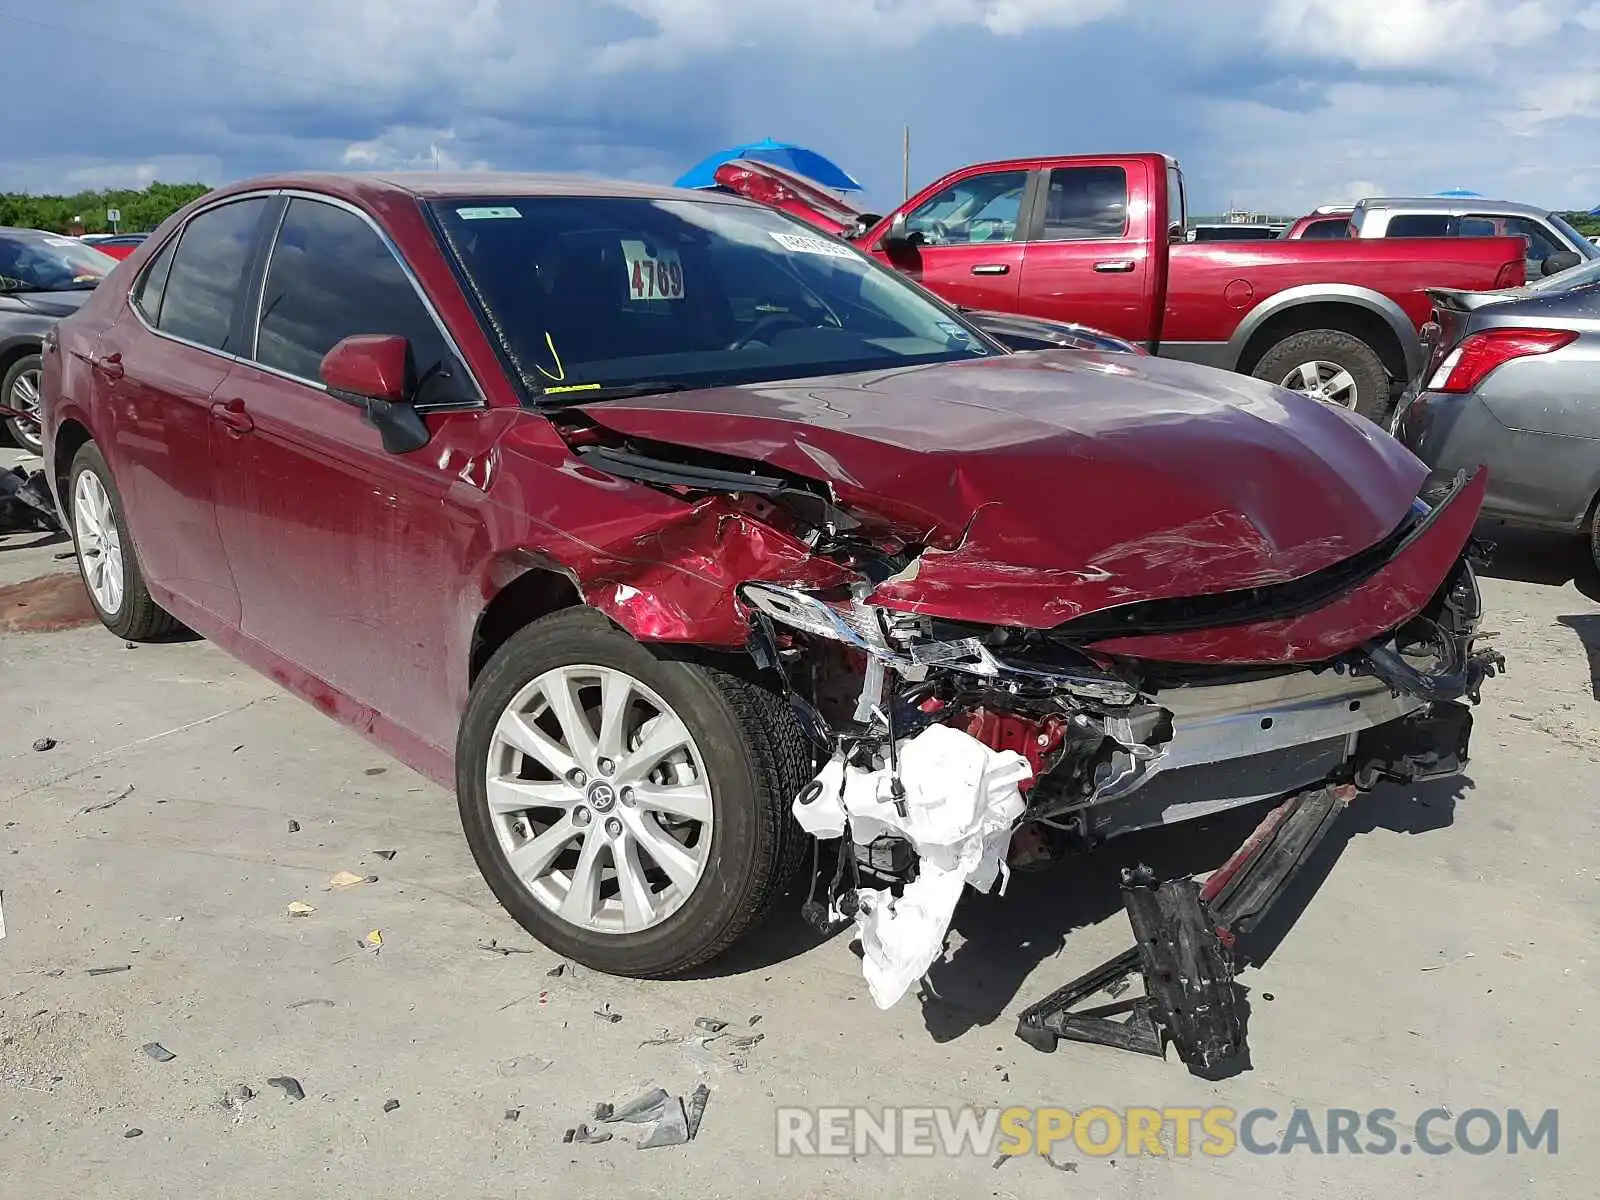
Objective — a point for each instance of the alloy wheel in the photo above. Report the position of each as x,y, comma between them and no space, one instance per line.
1324,381
94,525
600,799
24,400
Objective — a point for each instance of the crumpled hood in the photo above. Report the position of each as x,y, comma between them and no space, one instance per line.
1053,484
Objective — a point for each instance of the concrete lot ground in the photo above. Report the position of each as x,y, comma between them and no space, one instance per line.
1448,960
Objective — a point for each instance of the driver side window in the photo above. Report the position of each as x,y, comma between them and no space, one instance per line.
980,208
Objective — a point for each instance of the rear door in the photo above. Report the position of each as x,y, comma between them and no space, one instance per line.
967,235
1088,252
348,558
157,368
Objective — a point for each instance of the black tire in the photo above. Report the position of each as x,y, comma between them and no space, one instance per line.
138,618
1594,536
25,434
755,755
1335,346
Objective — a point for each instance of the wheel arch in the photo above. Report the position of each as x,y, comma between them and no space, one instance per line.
525,594
1358,311
72,435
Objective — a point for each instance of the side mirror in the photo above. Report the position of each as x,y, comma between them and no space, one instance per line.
374,372
899,238
1175,232
1563,260
864,224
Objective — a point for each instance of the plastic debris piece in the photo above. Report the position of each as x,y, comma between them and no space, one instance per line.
1268,996
1061,1166
664,1038
494,947
105,804
642,1109
386,855
299,908
390,1105
755,1019
672,1129
2,916
158,1052
603,1111
710,1024
557,971
375,770
317,1001
290,1085
373,940
745,1041
348,879
527,1064
236,1097
591,1137
696,1108
294,826
1001,1160
605,1014
513,1114
45,743
568,1136
109,970
133,1133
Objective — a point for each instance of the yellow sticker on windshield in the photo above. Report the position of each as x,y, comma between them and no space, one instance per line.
654,272
572,387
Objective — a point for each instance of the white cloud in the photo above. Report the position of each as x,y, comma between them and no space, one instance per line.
407,148
1465,34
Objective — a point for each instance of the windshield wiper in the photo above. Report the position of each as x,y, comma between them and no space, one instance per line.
586,393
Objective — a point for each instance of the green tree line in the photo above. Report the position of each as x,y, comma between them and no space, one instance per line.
141,211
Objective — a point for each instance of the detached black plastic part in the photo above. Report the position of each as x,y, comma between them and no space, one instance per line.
26,504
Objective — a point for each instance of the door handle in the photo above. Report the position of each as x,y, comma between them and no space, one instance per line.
991,269
233,415
1116,266
109,366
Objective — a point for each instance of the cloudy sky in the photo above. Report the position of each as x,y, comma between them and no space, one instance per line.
1280,104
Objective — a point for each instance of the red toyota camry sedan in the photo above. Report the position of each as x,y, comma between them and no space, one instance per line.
629,511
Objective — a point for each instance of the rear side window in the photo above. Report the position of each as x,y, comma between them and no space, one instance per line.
208,273
1086,202
1333,228
148,292
1410,225
331,276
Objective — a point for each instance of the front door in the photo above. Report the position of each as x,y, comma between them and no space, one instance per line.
159,367
347,557
966,245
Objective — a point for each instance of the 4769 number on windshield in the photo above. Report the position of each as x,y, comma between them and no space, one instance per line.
656,279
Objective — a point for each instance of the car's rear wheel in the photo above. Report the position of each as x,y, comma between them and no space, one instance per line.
20,392
1332,366
107,559
630,810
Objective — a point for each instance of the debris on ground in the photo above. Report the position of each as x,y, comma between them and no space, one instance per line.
236,1097
299,908
528,1064
672,1121
710,1024
318,1001
294,826
45,743
25,503
560,969
641,1110
755,1019
109,970
671,1130
696,1108
513,1114
744,1041
375,770
290,1085
1001,1161
133,1133
390,1105
1451,963
158,1052
494,947
105,804
605,1014
349,879
1061,1166
2,916
589,1137
386,855
373,941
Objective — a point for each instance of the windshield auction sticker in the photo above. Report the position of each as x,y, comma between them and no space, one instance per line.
489,213
657,276
799,243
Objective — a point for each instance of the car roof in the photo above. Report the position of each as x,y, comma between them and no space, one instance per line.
1454,206
359,186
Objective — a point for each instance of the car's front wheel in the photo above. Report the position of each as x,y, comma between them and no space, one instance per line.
629,809
19,392
106,556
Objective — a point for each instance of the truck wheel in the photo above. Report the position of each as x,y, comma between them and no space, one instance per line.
629,810
19,391
1332,366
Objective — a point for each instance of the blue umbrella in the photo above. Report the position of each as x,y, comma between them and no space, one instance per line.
1595,211
1461,194
798,159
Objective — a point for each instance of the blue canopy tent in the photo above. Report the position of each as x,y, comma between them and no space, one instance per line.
1459,193
799,159
1595,211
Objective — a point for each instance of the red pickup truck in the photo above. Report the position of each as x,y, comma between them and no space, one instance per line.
1099,239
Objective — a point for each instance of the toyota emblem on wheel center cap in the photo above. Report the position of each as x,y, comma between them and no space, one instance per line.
602,796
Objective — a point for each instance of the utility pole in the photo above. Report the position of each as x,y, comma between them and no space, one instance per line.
905,165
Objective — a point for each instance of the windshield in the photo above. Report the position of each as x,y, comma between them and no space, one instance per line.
42,262
1580,243
599,292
